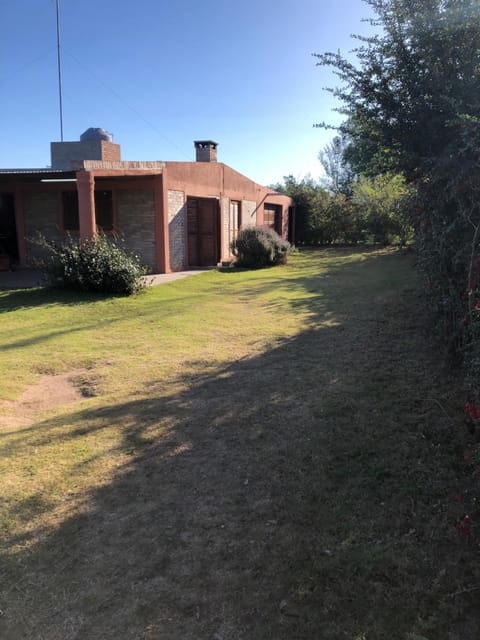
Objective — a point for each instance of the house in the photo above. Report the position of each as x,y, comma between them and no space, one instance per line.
173,215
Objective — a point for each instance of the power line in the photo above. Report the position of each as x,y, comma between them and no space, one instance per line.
129,106
59,71
16,72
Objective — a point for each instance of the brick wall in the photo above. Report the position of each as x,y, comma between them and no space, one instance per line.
227,228
176,229
41,214
63,153
110,151
249,213
135,223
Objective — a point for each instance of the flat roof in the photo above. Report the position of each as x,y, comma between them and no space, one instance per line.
38,170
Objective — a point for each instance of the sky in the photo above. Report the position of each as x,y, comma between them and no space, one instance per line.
160,75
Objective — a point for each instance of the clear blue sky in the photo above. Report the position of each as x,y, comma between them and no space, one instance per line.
159,75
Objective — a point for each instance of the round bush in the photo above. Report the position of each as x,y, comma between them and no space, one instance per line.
257,247
98,264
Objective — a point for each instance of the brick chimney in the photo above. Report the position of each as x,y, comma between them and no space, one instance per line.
205,150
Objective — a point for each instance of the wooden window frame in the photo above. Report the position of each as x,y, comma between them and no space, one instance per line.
75,231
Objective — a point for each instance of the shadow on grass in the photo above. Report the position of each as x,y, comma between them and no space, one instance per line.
44,337
287,495
12,300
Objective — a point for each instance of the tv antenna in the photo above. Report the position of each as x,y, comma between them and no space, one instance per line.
59,65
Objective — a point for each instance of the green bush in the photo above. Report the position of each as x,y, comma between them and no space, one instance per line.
99,264
257,247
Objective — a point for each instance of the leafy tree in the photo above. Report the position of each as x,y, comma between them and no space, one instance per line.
310,201
412,106
416,88
338,171
322,217
386,202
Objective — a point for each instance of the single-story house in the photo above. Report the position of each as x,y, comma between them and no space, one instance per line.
173,215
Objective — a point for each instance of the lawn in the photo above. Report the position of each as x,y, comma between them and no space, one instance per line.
243,455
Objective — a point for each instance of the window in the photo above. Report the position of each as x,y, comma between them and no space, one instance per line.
103,210
71,220
272,216
234,220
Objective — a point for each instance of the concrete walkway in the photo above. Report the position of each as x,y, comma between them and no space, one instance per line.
27,278
161,278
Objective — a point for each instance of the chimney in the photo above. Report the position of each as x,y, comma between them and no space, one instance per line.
205,150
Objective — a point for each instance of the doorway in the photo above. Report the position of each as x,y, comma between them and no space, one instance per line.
203,228
8,229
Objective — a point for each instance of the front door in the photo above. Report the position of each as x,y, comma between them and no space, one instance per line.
202,231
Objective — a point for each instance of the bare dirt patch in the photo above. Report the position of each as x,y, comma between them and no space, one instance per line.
49,392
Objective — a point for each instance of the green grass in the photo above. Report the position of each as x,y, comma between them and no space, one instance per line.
258,454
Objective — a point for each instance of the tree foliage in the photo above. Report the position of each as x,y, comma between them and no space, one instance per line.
377,211
338,170
412,105
414,93
309,199
386,202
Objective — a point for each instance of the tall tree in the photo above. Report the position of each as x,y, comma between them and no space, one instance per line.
385,201
412,105
309,198
338,171
415,91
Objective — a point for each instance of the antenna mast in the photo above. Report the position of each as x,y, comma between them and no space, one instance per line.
59,61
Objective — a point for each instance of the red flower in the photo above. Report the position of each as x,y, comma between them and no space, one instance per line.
472,410
463,528
477,306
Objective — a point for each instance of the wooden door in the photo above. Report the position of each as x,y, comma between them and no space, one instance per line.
202,232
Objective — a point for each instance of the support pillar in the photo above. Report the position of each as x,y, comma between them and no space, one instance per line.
86,204
162,240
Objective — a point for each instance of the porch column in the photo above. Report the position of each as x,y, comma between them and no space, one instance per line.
86,204
162,240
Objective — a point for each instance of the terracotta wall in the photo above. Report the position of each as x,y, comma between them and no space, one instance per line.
138,204
217,180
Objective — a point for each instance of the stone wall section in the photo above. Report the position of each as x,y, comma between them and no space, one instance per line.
176,229
227,229
249,213
41,215
135,223
64,153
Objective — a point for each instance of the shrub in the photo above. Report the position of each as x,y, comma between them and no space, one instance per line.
257,247
98,264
